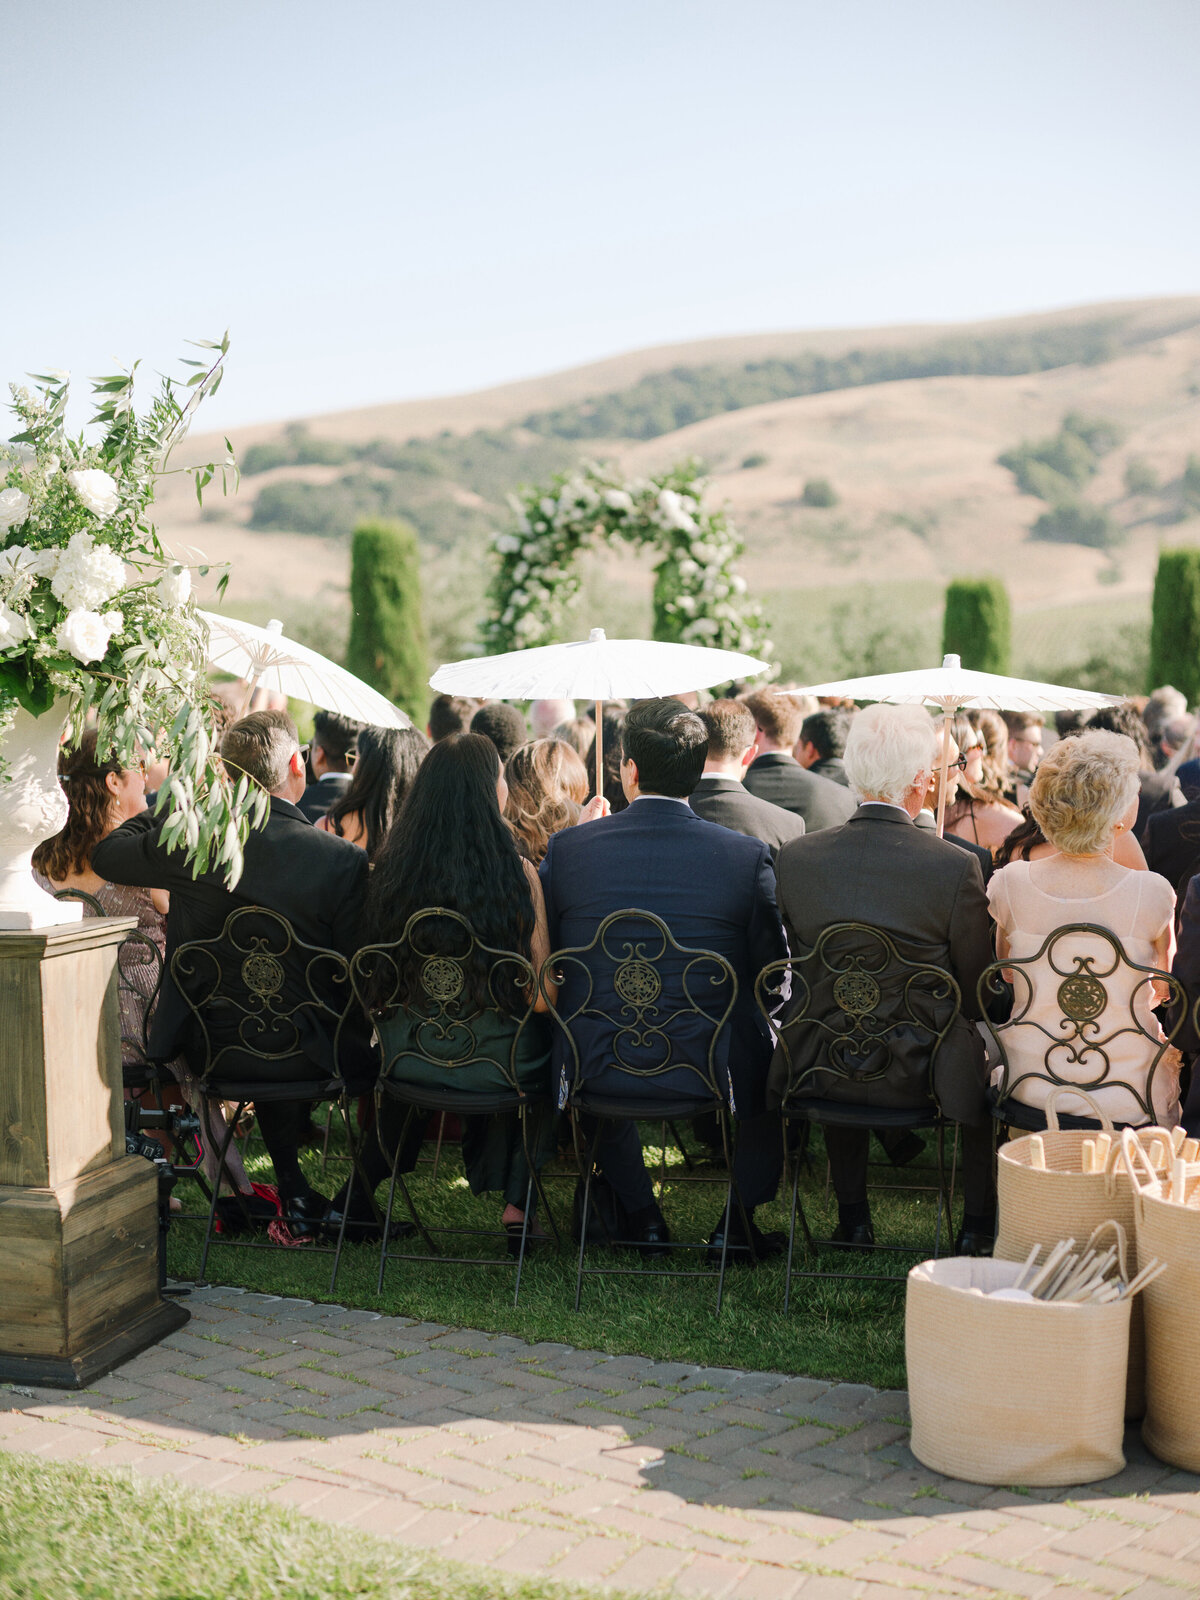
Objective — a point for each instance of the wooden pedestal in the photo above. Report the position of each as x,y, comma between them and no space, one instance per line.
78,1217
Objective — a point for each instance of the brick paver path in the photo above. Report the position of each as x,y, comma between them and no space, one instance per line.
642,1475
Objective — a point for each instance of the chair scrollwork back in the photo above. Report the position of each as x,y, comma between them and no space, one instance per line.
1096,1005
451,989
855,999
664,1007
260,997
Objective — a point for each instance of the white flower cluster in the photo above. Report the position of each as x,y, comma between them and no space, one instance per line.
87,574
702,594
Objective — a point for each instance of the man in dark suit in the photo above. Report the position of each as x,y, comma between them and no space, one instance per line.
715,890
1186,967
777,776
880,870
721,796
330,755
1172,842
822,743
314,879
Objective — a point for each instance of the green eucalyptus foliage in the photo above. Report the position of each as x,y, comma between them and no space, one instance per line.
96,617
978,624
387,635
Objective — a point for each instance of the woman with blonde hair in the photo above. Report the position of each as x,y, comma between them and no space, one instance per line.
979,811
1084,798
547,789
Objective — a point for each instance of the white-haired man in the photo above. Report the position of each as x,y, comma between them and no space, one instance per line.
879,869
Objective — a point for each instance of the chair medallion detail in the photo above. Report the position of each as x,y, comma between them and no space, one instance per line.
442,979
637,983
1082,996
856,993
262,975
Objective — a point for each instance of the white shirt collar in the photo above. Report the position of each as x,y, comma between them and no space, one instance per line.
673,798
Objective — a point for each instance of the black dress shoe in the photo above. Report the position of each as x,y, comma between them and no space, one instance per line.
739,1251
970,1243
652,1240
362,1226
858,1236
304,1212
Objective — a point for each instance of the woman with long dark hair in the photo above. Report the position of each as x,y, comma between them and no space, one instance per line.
451,846
385,765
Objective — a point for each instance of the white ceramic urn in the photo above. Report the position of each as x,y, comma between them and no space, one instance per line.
33,807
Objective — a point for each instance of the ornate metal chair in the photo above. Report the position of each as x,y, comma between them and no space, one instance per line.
271,1020
455,1022
1097,993
140,970
655,1015
859,1010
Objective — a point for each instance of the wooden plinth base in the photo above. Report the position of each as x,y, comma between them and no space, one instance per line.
79,1275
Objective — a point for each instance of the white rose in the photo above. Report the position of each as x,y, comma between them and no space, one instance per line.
84,634
96,489
114,621
14,629
87,574
14,508
618,500
688,568
175,586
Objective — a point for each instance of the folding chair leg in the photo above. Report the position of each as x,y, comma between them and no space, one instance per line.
216,1190
536,1179
325,1140
524,1237
725,1245
943,1202
791,1251
437,1149
387,1216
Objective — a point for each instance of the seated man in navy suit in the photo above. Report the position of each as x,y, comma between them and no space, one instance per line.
715,890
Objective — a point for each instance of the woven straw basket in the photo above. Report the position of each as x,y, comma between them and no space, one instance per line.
1006,1392
1170,1231
1061,1202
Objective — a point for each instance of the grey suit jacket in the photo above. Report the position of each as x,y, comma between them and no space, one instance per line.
779,778
928,895
730,803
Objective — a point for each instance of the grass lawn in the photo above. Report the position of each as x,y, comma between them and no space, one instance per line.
71,1532
842,1330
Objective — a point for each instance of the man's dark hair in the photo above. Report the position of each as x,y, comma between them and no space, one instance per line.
826,731
503,725
1123,719
261,746
336,735
668,744
730,727
450,713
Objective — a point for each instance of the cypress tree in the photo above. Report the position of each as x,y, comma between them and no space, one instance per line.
387,635
978,624
1175,623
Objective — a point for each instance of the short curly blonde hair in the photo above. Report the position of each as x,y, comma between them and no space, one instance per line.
1082,788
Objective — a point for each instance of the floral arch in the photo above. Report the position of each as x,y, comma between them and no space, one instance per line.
699,596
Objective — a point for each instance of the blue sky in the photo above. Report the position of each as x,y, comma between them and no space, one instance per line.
387,200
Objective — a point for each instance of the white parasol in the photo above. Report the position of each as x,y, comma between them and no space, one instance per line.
596,668
953,687
266,659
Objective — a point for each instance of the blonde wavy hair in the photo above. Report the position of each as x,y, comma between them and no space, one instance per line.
547,786
1082,788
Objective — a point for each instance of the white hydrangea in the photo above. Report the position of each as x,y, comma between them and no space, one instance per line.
14,508
85,634
618,500
96,489
174,587
670,508
88,574
14,628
